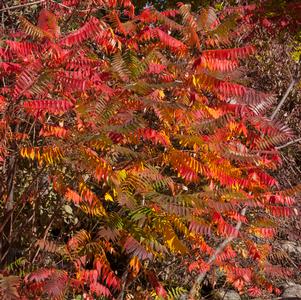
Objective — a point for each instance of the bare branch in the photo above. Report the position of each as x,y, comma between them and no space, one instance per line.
195,288
40,2
283,98
289,143
62,5
22,5
122,293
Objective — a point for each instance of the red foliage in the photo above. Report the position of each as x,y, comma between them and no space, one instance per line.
149,139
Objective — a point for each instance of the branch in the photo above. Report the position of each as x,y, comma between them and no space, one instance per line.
70,8
283,98
40,2
195,288
10,183
46,232
26,192
122,293
289,143
21,5
62,5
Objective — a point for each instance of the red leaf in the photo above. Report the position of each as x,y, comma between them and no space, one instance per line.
44,106
134,248
154,136
48,22
160,291
254,291
88,30
99,289
234,53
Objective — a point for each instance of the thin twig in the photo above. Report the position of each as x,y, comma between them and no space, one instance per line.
195,288
21,5
26,192
40,2
46,233
293,82
71,8
62,5
124,278
291,86
289,143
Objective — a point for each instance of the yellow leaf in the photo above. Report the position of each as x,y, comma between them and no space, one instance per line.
172,241
194,80
112,32
122,174
23,152
108,197
135,265
161,94
31,154
214,112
